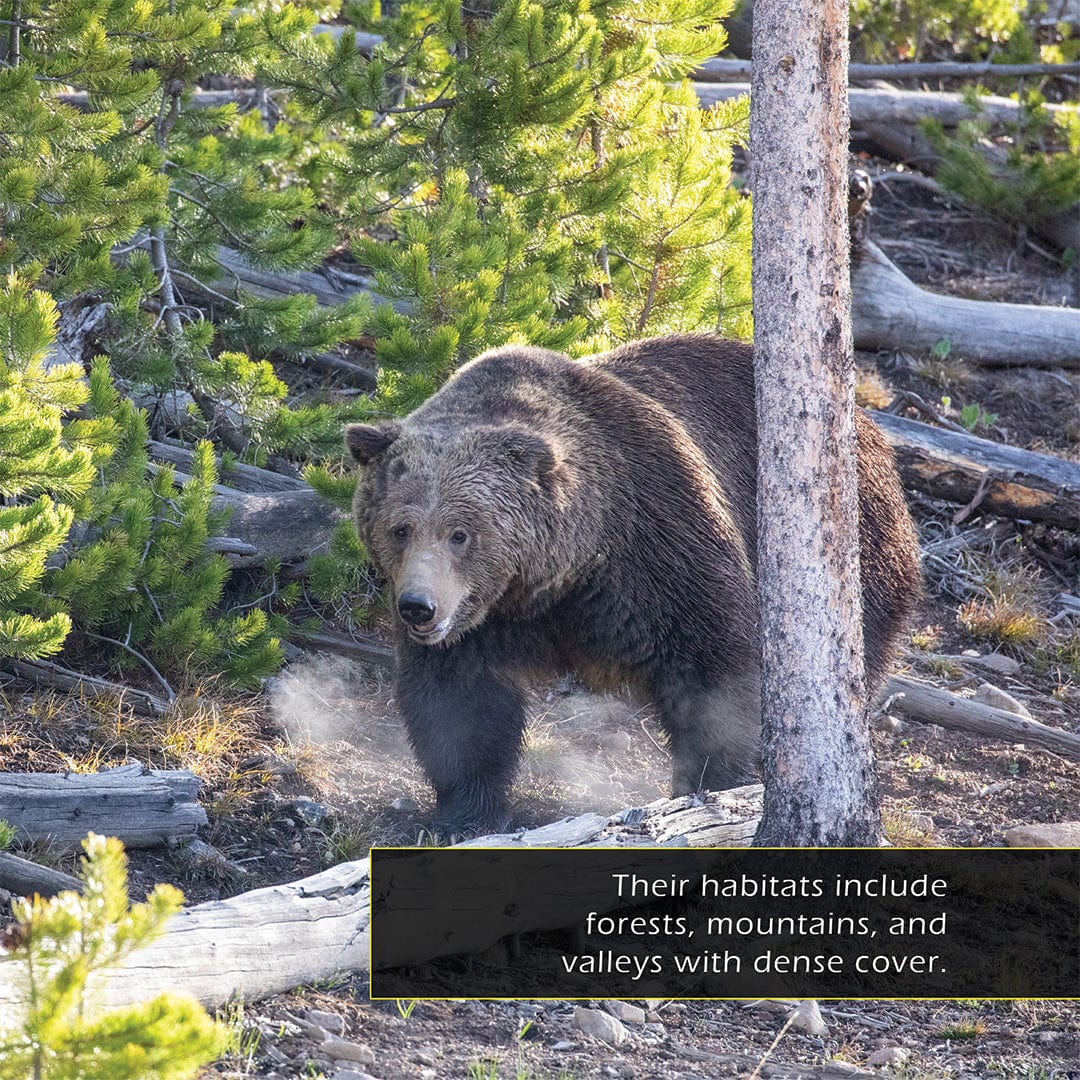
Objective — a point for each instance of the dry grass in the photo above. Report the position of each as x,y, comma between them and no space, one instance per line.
871,390
948,372
905,829
962,1031
1002,621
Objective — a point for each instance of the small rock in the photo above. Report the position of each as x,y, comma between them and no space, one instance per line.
888,723
806,1016
563,1044
1065,834
996,698
889,1055
995,789
328,1021
274,1053
351,1074
308,810
627,1013
428,1074
344,1050
601,1026
774,1005
655,1028
405,806
424,1057
1004,665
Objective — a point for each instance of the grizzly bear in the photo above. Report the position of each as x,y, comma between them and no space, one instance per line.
540,514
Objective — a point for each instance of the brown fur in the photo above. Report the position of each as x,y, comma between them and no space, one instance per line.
608,510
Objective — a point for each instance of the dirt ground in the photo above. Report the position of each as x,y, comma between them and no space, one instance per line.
314,769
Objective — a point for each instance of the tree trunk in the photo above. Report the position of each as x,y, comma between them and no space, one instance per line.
818,765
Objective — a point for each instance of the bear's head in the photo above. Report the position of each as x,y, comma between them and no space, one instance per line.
457,521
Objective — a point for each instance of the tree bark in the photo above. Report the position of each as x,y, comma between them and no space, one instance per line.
818,763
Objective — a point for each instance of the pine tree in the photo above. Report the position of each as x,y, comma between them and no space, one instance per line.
44,469
57,944
1036,177
118,194
513,172
543,175
527,172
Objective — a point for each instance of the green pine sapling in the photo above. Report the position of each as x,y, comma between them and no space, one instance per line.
57,945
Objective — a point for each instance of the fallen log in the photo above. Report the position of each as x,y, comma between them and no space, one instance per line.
267,941
888,106
889,311
143,807
329,285
356,374
289,526
728,70
978,473
21,877
877,105
366,652
239,477
46,673
928,704
76,332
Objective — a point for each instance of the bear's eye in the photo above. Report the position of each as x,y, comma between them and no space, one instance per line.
458,537
402,533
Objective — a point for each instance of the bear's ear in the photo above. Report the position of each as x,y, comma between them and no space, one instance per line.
533,454
367,441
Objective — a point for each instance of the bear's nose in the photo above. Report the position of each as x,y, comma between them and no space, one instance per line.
416,608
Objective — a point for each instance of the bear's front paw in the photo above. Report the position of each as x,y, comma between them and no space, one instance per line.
466,819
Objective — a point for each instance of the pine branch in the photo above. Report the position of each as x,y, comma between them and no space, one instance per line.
161,680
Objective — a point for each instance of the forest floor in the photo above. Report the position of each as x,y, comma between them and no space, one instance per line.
315,769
